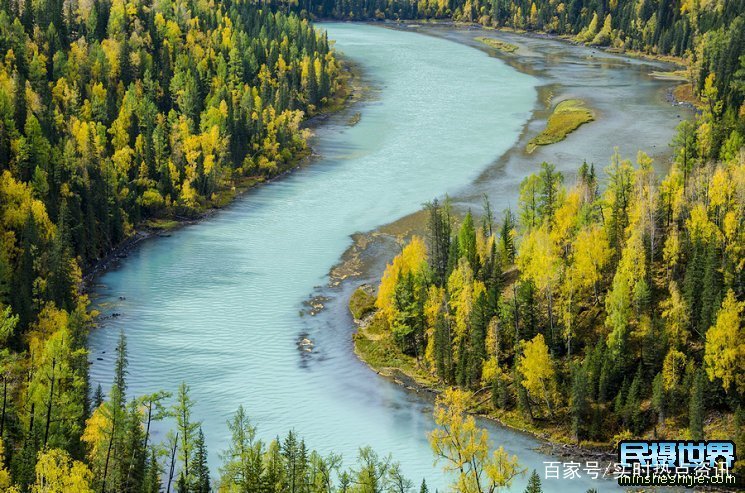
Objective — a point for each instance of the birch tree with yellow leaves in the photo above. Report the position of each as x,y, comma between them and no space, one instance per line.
725,346
464,448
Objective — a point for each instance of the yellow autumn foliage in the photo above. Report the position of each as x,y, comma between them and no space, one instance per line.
56,472
725,346
412,259
537,369
464,447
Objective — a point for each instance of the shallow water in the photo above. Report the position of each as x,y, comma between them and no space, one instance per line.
218,304
632,111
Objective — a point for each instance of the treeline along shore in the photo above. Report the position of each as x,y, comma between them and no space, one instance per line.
600,309
117,117
627,290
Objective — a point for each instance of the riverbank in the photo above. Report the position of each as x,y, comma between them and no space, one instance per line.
220,304
682,94
351,90
374,346
372,342
681,62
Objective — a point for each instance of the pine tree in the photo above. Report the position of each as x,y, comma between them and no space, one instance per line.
182,485
243,459
187,429
480,317
274,475
438,240
467,241
633,417
505,236
423,488
534,483
604,380
711,295
441,344
408,320
201,470
529,201
114,468
22,295
151,483
290,452
579,402
98,397
659,397
312,83
549,192
62,282
133,454
119,387
693,284
696,406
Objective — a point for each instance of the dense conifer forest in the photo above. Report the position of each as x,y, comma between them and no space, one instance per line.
602,308
616,301
590,314
114,113
711,33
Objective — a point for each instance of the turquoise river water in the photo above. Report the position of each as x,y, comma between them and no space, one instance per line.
218,304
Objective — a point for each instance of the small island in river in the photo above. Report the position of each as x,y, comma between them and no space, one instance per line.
567,116
497,44
583,294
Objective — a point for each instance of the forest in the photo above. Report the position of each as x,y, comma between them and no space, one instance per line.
121,457
709,34
599,310
624,299
115,114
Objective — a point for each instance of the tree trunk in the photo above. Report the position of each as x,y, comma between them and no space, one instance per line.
5,400
173,464
549,297
545,396
185,439
108,454
517,317
49,403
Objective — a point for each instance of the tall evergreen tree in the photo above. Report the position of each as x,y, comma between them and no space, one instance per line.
202,473
534,483
187,431
467,241
423,488
696,406
438,239
579,402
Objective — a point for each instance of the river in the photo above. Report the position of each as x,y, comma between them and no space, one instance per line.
222,304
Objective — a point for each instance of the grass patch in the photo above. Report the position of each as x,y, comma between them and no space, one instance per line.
361,302
497,44
567,116
556,431
677,75
162,224
374,345
684,94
